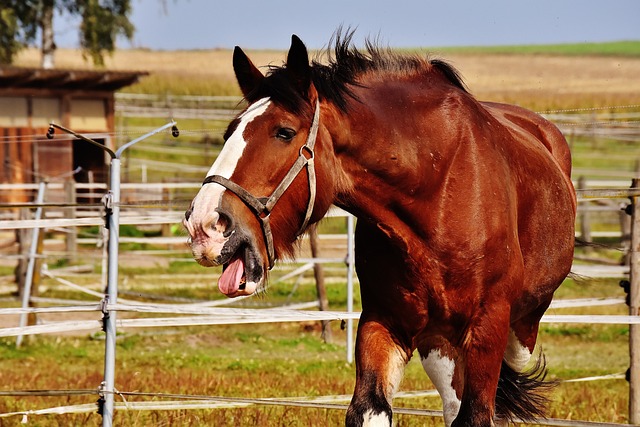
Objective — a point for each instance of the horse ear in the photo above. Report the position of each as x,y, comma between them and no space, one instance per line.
248,76
298,63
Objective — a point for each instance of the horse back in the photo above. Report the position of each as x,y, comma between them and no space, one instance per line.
542,130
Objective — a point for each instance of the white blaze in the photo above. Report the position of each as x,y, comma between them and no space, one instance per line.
208,198
233,148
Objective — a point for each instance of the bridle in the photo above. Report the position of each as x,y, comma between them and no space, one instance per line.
262,206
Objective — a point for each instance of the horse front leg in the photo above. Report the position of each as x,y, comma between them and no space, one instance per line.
380,364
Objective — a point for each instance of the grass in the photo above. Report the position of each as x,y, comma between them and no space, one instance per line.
624,48
603,153
278,360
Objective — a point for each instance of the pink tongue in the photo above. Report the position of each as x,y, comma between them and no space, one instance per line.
229,281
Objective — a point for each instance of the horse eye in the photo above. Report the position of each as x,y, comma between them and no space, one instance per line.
285,134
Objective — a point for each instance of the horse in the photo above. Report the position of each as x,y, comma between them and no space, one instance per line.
465,218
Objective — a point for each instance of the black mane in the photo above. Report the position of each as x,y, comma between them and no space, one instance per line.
336,78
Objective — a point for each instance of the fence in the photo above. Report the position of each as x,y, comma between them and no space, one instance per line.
209,315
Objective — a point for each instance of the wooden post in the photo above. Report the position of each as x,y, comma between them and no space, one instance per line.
585,223
92,188
625,237
626,220
165,229
634,310
319,275
23,237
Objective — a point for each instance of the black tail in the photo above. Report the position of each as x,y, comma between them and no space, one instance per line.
523,395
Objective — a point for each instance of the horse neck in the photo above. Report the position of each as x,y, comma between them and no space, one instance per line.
388,162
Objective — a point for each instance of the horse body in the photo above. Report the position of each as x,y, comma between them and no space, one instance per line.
454,241
465,225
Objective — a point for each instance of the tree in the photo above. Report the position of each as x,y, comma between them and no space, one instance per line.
102,22
17,25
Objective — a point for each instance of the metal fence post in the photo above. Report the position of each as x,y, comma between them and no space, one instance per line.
350,272
111,295
112,207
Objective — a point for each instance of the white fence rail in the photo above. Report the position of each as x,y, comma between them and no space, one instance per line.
160,211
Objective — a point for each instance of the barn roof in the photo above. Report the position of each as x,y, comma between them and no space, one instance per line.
12,77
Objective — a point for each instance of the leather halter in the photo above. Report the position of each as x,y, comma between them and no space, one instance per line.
262,206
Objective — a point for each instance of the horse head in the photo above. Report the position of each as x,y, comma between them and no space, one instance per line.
268,182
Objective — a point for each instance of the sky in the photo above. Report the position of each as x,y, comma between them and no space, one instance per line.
268,24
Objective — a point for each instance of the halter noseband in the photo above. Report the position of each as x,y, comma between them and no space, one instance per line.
262,207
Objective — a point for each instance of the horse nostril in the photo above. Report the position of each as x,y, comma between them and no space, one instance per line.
188,213
224,224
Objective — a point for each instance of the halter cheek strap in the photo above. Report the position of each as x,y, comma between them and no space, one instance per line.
261,209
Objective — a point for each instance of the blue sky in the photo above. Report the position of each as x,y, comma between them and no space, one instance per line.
268,24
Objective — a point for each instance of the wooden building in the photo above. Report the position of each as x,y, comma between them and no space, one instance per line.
31,98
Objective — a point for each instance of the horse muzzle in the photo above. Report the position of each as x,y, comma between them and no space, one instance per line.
216,243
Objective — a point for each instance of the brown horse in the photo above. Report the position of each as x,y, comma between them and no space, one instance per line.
465,218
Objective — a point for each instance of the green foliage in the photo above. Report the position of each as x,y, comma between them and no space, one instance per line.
102,22
18,26
131,231
60,263
9,44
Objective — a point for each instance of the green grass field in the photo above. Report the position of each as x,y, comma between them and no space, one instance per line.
277,360
628,48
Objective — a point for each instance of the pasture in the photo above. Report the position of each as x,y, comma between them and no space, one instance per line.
275,361
537,77
290,360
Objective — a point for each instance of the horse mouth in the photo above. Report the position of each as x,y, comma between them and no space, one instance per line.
242,274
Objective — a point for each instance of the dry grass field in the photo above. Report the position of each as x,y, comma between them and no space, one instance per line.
538,81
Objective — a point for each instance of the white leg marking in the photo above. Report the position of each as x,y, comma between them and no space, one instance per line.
396,371
516,355
376,420
396,363
440,369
